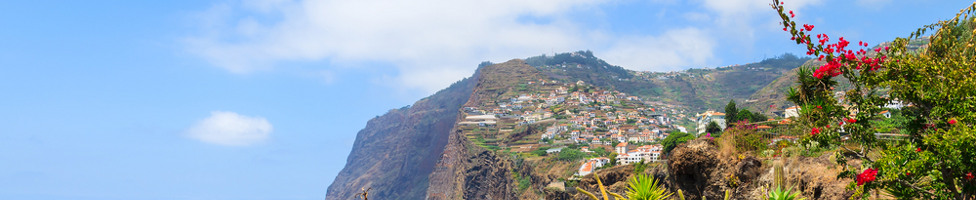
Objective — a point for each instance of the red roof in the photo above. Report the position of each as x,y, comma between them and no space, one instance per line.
588,166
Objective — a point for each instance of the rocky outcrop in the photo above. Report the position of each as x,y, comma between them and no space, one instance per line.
488,177
698,169
694,168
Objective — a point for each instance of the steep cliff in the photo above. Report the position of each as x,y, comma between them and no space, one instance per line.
396,152
468,171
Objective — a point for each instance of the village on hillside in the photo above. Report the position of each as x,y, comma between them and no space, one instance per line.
549,117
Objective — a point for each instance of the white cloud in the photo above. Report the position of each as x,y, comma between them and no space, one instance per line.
438,36
749,7
673,50
432,43
230,129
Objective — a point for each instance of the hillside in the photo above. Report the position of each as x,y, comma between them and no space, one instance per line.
490,136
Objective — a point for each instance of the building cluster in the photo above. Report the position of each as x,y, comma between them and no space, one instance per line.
578,114
592,116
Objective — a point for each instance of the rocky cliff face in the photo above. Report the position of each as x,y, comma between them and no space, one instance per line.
396,152
467,171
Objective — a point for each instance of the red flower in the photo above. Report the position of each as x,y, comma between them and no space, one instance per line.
851,120
808,27
969,176
818,107
908,174
791,14
918,150
814,131
867,176
952,121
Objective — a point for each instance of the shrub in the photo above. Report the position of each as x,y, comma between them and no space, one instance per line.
934,161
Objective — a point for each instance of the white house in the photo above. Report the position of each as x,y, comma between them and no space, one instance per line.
791,112
646,153
710,116
621,148
886,114
590,165
586,168
554,150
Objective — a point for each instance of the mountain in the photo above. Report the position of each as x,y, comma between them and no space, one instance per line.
395,152
487,136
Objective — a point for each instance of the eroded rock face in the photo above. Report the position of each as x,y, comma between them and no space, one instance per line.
748,169
692,166
488,177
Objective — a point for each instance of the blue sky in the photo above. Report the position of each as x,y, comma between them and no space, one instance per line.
262,99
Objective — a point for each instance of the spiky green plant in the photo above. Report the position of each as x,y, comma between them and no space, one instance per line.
603,190
641,187
780,194
644,187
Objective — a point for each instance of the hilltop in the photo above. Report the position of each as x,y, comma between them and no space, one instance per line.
697,89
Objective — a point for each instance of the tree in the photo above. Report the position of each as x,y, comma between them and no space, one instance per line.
674,139
613,159
731,111
599,151
539,152
758,117
568,154
713,128
744,115
934,161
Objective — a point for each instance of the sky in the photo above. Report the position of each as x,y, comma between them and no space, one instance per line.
262,99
